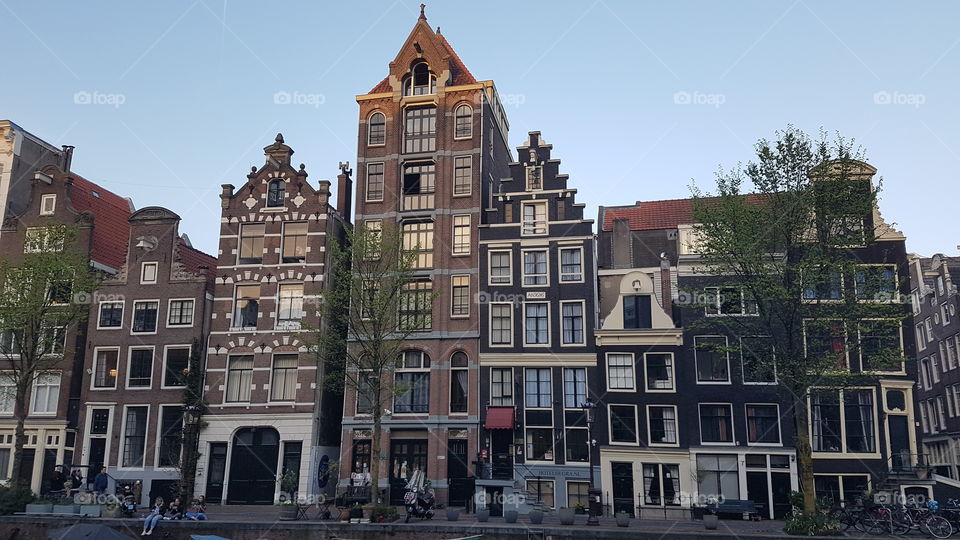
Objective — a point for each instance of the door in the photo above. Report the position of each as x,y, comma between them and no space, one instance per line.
216,468
899,441
495,500
253,466
26,468
622,487
46,474
458,473
406,456
780,483
758,492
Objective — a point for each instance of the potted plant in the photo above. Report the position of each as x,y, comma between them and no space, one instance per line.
356,513
483,514
580,509
453,513
623,519
288,486
384,514
710,517
110,511
536,516
567,515
510,516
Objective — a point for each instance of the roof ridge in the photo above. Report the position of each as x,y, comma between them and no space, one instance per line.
460,64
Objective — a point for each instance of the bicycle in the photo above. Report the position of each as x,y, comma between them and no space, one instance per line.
922,519
846,516
878,519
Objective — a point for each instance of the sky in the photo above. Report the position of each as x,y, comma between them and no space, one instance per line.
166,101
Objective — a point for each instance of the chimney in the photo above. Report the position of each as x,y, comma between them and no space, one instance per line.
345,191
323,192
67,158
226,195
278,152
666,288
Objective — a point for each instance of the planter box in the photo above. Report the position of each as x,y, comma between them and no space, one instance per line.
66,509
510,516
91,510
710,521
536,517
39,508
566,515
453,514
623,519
483,515
288,512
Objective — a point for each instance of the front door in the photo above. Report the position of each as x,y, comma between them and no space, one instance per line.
780,482
406,456
253,466
98,450
757,491
26,468
899,441
217,468
458,473
46,474
622,487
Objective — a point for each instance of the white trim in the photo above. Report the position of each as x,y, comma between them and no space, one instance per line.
636,426
163,366
524,326
512,324
123,438
560,273
490,254
746,418
143,271
133,315
676,426
633,368
33,392
583,324
123,307
153,365
846,337
726,353
367,122
523,267
896,284
47,212
453,298
733,430
843,454
158,436
96,358
513,397
903,367
453,235
743,373
193,312
673,374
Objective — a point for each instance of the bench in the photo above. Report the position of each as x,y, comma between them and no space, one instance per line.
746,509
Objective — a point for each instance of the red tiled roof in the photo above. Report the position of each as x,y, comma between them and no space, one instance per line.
383,86
458,70
111,230
193,260
653,215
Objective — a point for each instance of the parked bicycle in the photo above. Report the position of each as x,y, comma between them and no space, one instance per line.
921,518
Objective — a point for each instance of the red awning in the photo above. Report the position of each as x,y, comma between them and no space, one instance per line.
500,418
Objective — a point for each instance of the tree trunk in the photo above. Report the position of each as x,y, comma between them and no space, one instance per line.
375,456
804,455
20,438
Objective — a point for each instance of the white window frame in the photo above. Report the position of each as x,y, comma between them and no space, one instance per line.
726,345
453,279
673,374
583,324
7,391
133,315
469,227
560,279
490,322
153,367
733,424
143,272
549,325
273,363
123,307
633,368
676,425
511,386
877,421
468,158
158,435
903,366
717,303
455,109
746,419
369,121
193,312
226,382
523,267
45,209
743,374
33,393
123,438
896,284
163,367
95,363
540,228
846,338
636,424
490,276
366,181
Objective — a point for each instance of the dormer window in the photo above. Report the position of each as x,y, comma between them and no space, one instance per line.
275,194
48,204
421,82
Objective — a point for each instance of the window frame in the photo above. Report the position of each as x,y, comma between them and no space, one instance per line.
633,369
457,117
550,396
715,308
33,392
235,310
636,426
583,324
96,364
424,369
733,429
292,319
511,323
459,248
378,165
284,238
894,297
457,178
193,312
143,272
273,376
902,367
166,354
549,339
251,261
383,136
453,371
490,267
509,385
743,371
159,436
123,438
845,337
47,212
534,227
129,365
240,391
676,425
123,306
133,317
843,453
672,369
779,431
464,313
580,277
272,203
523,268
726,353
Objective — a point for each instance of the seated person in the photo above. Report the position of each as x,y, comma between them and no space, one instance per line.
197,510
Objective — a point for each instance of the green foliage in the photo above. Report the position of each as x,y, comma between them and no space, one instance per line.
13,500
288,485
812,524
384,514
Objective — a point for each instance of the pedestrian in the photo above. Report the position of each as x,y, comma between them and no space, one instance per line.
76,480
175,510
198,510
156,514
101,481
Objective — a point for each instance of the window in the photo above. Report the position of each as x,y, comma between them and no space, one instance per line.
941,289
246,306
46,393
540,444
419,185
290,303
944,315
823,285
542,490
536,324
283,379
460,299
620,371
757,360
294,242
145,317
374,182
877,283
574,387
365,392
534,218
418,238
171,427
712,359
48,206
412,383
623,424
421,81
463,116
501,270
377,129
375,226
921,338
275,192
825,340
105,368
148,273
659,368
534,177
662,422
461,235
420,130
458,382
111,315
572,314
841,488
42,240
661,484
180,313
538,389
462,175
880,348
251,243
718,476
578,448
716,423
763,424
8,393
5,463
239,376
8,342
134,436
140,368
361,456
501,324
636,312
535,267
729,301
571,264
176,365
577,494
501,387
416,306
843,421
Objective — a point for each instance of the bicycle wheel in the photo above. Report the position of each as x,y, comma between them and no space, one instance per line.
899,522
870,522
938,527
841,517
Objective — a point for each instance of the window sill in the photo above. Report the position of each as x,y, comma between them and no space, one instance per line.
272,209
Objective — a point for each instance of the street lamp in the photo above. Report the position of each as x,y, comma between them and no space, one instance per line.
593,494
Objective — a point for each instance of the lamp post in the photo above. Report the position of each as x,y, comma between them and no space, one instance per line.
191,425
593,494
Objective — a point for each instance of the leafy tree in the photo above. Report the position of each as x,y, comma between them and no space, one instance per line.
45,292
784,235
373,306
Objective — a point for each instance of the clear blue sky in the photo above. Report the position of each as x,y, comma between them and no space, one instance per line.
600,79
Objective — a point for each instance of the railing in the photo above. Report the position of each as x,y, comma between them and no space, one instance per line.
905,462
500,467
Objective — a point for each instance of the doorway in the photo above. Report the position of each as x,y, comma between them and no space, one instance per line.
406,456
253,466
899,441
458,473
217,467
622,487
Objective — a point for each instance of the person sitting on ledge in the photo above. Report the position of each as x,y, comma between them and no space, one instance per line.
198,510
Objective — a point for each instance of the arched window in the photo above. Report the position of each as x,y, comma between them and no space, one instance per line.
459,375
377,129
421,81
275,194
464,121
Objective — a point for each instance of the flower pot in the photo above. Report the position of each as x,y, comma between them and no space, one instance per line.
567,515
483,515
288,512
344,514
66,509
510,516
710,521
453,514
109,512
536,517
39,508
91,510
623,519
